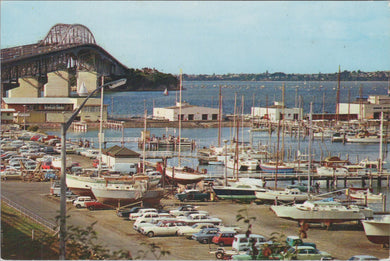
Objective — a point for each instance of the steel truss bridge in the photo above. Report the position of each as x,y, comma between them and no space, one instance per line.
66,46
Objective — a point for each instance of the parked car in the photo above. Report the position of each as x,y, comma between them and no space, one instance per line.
185,210
205,235
200,218
265,252
145,218
94,205
134,216
139,226
49,150
307,253
163,228
80,201
296,241
127,211
241,242
188,231
224,238
193,194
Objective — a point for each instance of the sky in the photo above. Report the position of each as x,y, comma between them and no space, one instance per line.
207,37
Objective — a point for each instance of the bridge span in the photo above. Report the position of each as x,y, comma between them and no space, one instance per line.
68,55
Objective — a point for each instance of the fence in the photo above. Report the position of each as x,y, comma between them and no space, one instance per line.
28,213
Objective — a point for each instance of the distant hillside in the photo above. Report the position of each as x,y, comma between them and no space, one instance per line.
280,76
147,79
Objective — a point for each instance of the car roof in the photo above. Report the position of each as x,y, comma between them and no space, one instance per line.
251,235
305,247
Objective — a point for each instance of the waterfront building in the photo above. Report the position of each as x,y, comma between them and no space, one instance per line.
7,116
366,107
188,113
276,112
117,154
53,110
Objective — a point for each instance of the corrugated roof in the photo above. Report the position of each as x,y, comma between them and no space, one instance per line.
42,100
7,110
119,152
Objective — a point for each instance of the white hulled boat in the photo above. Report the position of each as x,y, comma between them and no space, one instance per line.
286,195
113,189
378,229
244,188
184,175
364,194
327,212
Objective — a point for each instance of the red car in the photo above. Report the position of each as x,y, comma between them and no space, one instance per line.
46,165
93,205
35,137
95,163
224,238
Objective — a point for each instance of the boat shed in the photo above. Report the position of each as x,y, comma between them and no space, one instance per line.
51,110
276,112
117,154
188,113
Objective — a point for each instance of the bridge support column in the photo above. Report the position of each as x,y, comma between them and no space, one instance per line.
57,84
90,79
28,87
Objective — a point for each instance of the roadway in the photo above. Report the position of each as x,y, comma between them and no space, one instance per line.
113,232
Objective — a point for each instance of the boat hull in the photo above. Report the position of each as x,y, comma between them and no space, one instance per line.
223,192
293,213
120,197
280,196
182,177
377,232
272,169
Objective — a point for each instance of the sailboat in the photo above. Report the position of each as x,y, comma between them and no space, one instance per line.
166,92
179,174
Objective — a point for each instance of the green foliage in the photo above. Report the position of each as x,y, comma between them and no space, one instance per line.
149,80
156,250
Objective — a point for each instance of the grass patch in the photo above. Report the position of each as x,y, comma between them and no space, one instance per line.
16,237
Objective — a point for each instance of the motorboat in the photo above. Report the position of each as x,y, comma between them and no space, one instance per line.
331,171
244,188
286,195
273,167
364,194
378,229
326,212
244,164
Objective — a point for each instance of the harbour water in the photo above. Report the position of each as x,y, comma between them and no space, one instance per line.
206,94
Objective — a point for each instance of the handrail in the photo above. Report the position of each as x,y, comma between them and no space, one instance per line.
28,213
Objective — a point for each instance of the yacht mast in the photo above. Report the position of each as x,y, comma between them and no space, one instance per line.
179,152
310,140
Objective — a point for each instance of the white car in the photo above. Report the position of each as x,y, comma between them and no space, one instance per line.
200,218
187,231
163,228
134,216
80,201
145,218
242,243
153,222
